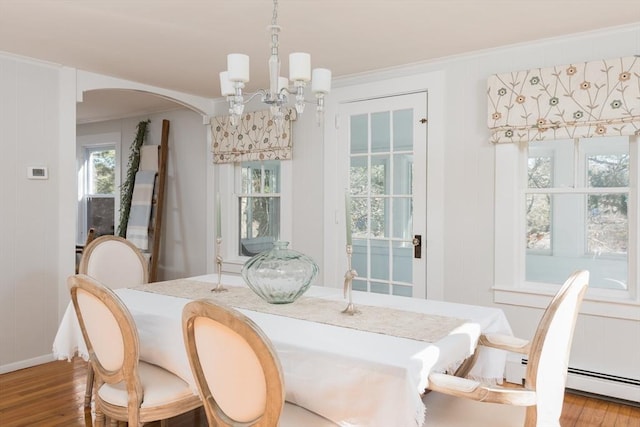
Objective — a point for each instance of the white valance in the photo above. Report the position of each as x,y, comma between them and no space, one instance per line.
598,98
255,138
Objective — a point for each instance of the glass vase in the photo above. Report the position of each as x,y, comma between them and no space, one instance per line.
280,275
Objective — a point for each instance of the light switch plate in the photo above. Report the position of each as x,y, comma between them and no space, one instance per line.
37,172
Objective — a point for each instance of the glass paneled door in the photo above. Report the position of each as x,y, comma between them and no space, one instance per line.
387,151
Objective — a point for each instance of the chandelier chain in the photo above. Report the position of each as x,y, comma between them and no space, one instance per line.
274,19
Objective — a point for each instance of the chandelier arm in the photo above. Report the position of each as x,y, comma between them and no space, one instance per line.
261,92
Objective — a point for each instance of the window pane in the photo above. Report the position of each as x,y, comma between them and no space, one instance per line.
539,221
359,134
379,288
260,177
550,164
380,174
539,172
100,212
359,176
607,161
259,224
379,217
608,170
403,290
259,206
359,257
102,171
359,217
403,130
403,174
359,285
402,263
402,218
380,132
379,260
588,232
607,225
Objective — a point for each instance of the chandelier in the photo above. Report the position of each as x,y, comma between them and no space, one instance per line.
232,81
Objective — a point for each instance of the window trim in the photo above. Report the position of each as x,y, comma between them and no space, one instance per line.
226,174
510,286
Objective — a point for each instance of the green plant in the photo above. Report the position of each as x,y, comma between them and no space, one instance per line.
126,189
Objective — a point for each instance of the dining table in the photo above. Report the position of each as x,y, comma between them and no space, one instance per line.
367,369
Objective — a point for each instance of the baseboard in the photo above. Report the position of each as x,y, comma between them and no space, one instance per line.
614,387
604,387
22,364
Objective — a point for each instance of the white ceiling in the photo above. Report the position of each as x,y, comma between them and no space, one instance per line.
182,44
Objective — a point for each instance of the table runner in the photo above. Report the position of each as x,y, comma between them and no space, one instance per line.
416,326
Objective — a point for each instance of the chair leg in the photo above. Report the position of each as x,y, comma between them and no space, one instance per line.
88,394
164,423
99,418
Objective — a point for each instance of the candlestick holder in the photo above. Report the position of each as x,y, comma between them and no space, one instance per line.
348,284
219,287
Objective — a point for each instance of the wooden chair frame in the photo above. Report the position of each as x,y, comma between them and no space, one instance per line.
128,371
572,292
95,243
258,342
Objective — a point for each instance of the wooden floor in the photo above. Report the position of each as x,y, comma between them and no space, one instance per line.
53,394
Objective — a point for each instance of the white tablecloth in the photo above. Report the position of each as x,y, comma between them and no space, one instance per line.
352,377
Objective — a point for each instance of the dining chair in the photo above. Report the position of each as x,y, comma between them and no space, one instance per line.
453,401
117,263
237,371
127,389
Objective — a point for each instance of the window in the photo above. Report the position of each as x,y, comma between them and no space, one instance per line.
576,210
255,197
98,189
258,206
572,204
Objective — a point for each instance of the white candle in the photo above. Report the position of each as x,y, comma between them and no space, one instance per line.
238,67
299,67
321,81
218,217
347,210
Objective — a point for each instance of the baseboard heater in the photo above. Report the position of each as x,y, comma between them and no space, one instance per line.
613,386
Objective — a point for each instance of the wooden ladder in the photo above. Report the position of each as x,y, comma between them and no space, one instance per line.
155,222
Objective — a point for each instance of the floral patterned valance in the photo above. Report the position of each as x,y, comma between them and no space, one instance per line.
255,138
599,98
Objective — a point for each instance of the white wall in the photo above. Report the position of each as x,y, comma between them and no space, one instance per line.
29,136
308,189
184,237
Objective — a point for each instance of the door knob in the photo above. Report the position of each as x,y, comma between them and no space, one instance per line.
417,246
